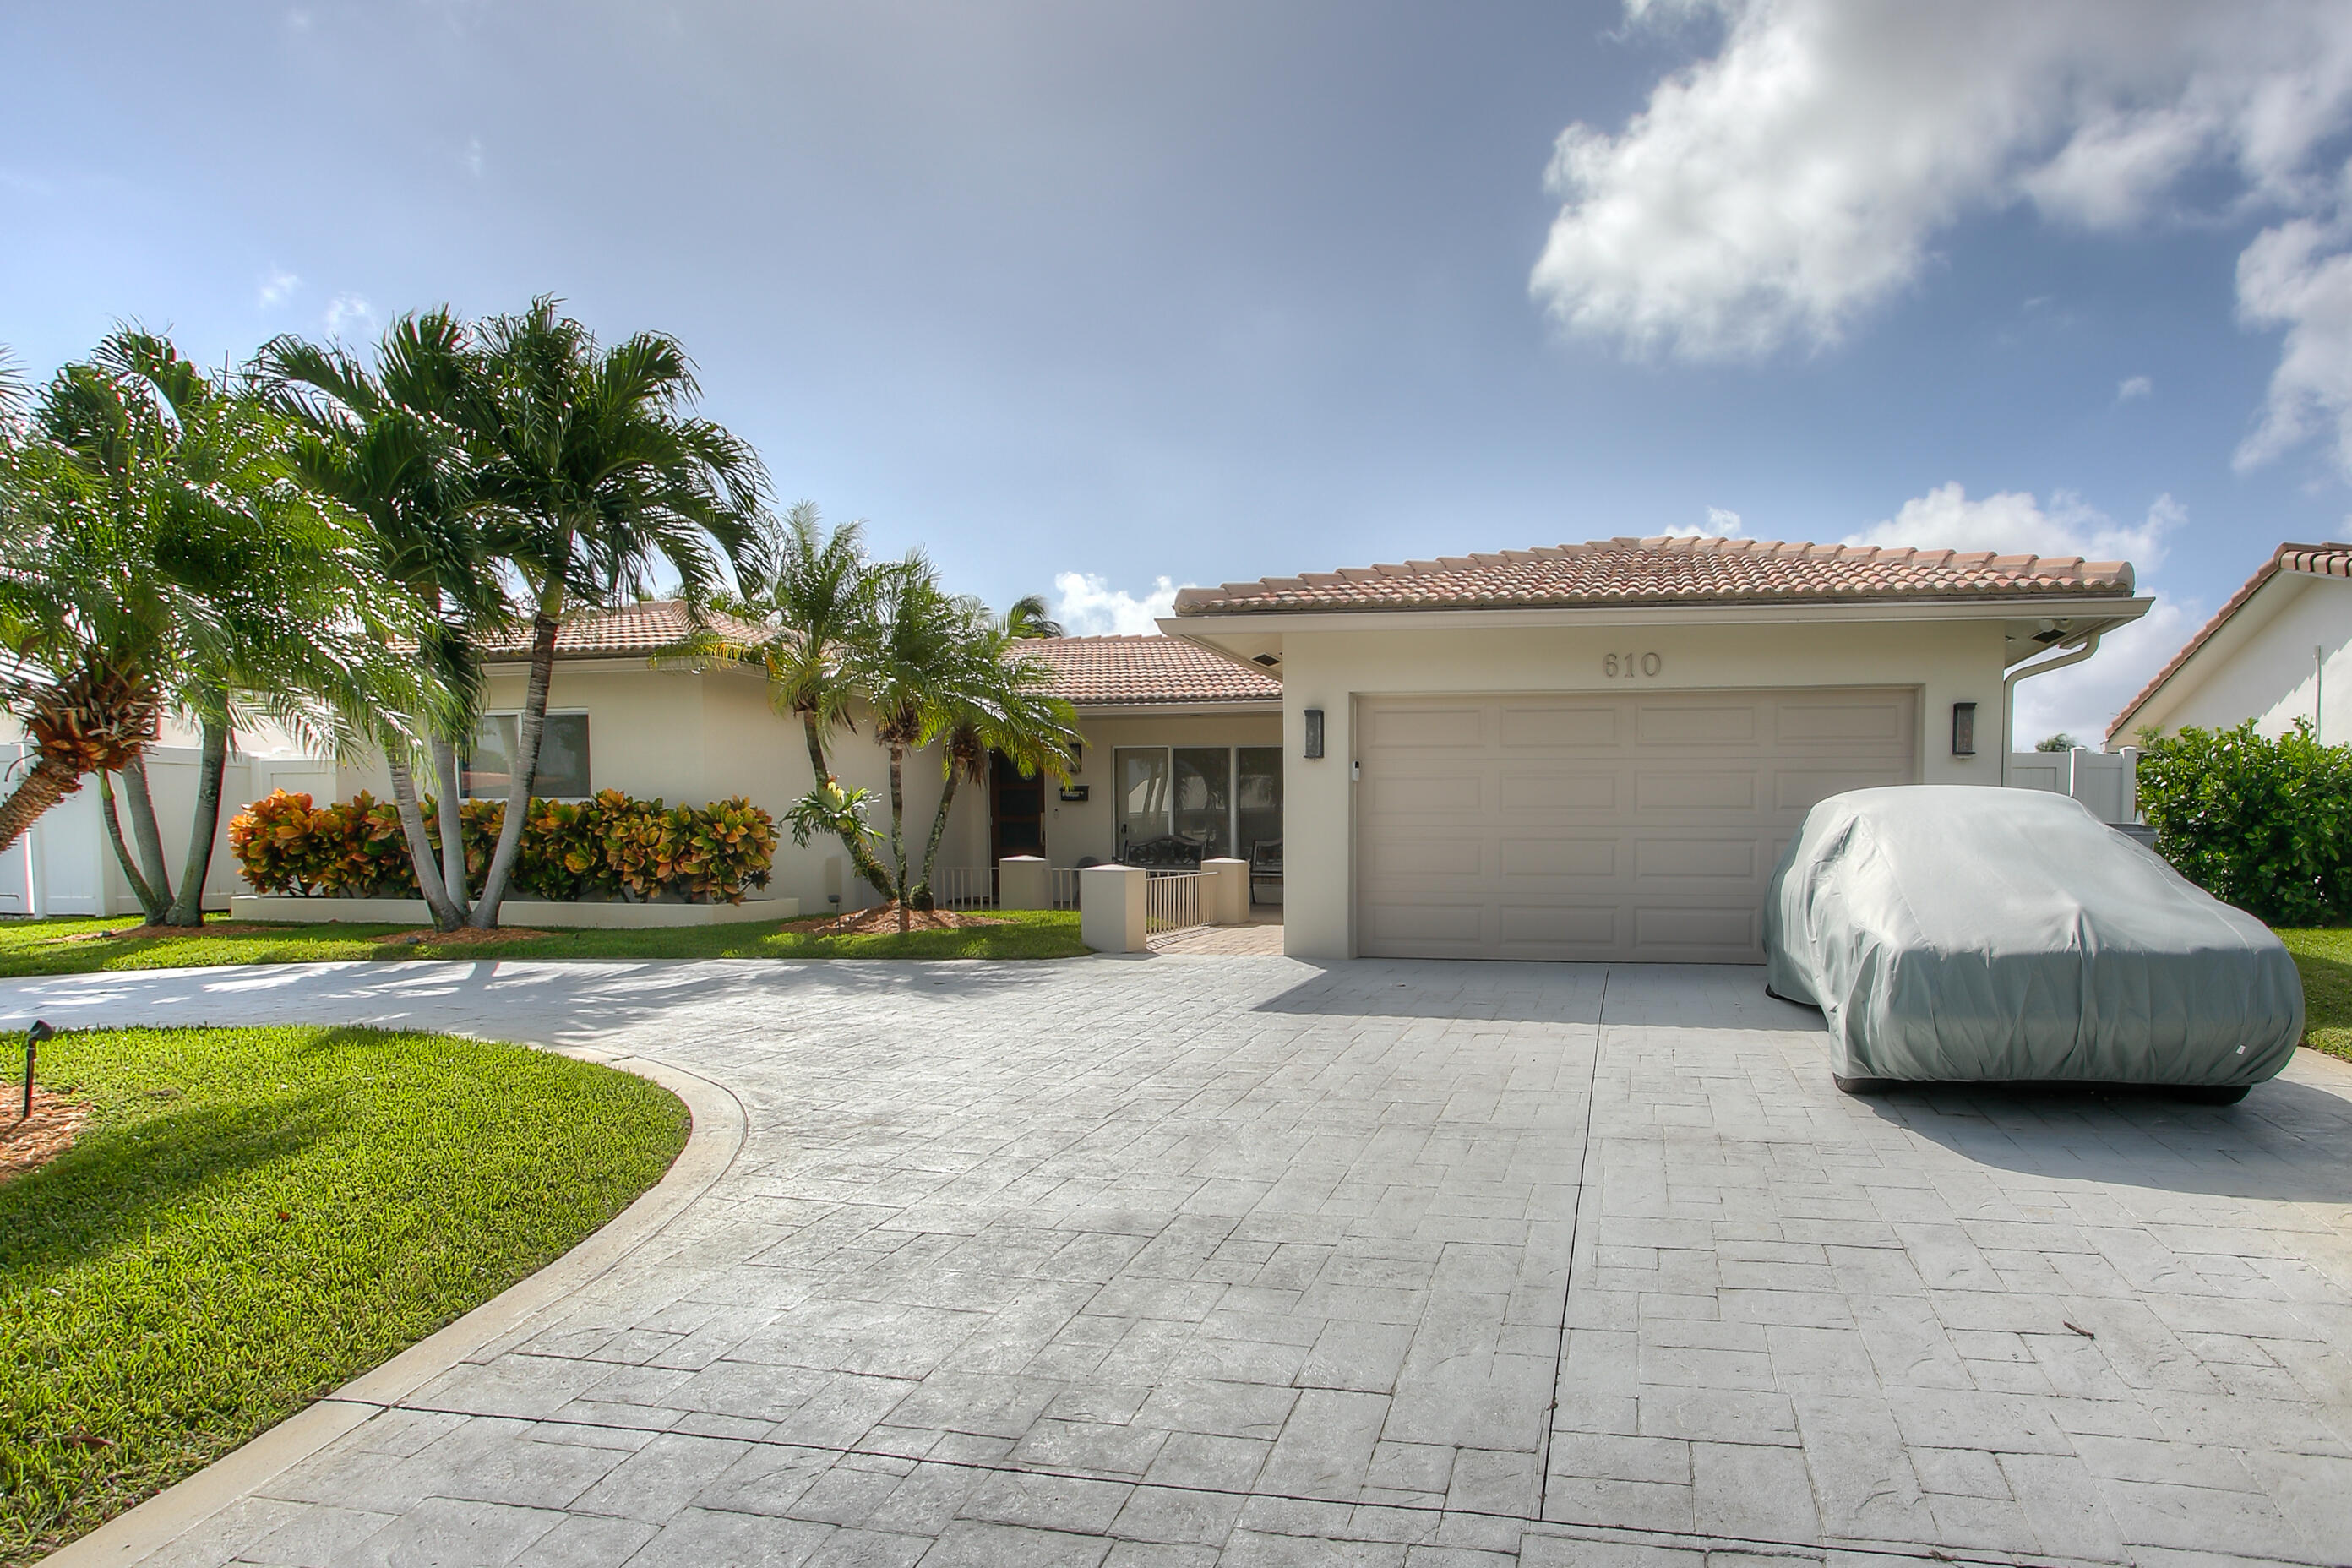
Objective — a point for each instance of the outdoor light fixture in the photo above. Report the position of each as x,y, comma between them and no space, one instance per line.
1315,731
34,1037
1963,729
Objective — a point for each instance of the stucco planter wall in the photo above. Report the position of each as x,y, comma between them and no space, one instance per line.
514,912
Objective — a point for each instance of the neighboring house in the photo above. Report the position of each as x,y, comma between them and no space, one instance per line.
2280,651
1598,751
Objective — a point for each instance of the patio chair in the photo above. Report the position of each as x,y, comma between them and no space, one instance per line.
1265,867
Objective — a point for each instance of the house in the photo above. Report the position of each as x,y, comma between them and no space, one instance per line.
2280,651
1597,751
1587,751
1178,742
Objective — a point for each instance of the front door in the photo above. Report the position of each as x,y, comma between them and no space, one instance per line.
1019,809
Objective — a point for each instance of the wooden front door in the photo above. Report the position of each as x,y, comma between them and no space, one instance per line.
1019,810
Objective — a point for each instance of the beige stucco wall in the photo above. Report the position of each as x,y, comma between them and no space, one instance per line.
690,737
2259,665
1948,662
1075,830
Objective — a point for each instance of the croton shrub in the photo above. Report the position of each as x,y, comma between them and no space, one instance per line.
613,847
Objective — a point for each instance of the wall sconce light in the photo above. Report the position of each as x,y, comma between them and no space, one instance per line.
1315,731
1963,729
1077,756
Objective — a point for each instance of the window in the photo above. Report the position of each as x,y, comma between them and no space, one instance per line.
489,769
1224,798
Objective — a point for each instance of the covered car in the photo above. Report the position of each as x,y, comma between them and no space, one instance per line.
1953,933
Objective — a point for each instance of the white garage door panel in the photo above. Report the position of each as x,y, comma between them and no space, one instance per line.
1584,827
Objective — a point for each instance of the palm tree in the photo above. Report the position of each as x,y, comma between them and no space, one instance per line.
815,592
914,650
391,447
993,700
605,475
1029,619
153,556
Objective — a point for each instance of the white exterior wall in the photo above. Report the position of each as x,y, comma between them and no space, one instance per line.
1077,829
690,737
1948,662
2260,665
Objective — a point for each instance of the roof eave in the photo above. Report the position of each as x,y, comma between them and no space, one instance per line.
2115,607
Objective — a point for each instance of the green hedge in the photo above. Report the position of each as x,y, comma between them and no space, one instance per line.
2262,822
613,847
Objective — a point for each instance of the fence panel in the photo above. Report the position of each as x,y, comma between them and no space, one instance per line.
1066,887
964,887
1171,902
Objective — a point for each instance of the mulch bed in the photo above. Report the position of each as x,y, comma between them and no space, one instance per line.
867,922
35,1140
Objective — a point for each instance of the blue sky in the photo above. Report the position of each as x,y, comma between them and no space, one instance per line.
1109,293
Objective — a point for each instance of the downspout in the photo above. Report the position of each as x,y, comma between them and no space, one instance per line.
2009,691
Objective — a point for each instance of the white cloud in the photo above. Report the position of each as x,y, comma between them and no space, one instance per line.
2083,699
276,286
1721,523
2011,523
1088,606
1775,192
349,309
473,159
2299,276
2135,386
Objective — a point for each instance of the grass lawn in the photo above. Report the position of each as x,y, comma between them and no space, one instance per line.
69,946
252,1217
2325,956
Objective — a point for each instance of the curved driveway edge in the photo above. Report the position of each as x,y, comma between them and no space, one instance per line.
713,1140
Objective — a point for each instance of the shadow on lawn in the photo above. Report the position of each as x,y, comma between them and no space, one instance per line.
121,1175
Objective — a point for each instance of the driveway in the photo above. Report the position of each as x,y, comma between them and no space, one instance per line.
1182,1260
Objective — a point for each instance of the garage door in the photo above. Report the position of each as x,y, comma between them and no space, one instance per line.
1599,826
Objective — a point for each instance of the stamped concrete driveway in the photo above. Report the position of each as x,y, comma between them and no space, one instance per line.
1189,1260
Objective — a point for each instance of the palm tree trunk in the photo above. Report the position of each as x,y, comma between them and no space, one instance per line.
453,824
861,858
43,785
212,761
150,905
528,729
421,859
144,832
899,829
939,830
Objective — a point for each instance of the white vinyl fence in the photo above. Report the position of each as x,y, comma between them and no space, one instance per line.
1066,887
2106,782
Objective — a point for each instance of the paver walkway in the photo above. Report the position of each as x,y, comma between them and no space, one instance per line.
1240,1259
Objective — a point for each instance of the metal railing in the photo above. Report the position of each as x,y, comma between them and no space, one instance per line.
1064,882
1171,902
964,887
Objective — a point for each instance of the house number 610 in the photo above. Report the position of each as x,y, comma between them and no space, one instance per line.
1626,666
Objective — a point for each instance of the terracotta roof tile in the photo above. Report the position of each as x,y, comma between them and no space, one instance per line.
2309,560
633,628
1117,672
1669,572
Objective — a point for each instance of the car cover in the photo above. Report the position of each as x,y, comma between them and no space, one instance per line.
1957,933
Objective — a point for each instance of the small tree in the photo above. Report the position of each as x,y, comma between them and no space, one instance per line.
2061,742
